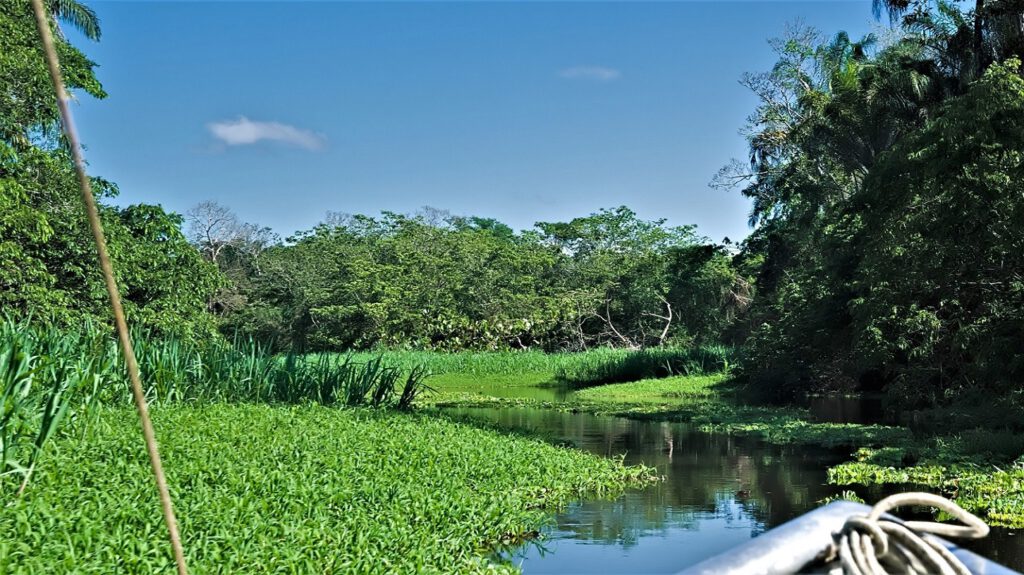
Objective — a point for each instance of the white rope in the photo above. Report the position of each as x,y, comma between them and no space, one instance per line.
875,545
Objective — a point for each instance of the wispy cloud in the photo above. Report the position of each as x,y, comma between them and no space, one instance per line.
244,131
596,73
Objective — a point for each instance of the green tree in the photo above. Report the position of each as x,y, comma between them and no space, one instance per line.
632,281
870,169
28,109
940,290
48,263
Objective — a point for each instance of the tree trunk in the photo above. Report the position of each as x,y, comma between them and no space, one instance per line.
979,38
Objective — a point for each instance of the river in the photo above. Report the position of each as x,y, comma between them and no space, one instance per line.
719,490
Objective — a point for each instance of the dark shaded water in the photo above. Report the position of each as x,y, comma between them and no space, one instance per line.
866,409
720,490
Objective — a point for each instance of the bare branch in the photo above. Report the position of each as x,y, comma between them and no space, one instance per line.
608,321
211,227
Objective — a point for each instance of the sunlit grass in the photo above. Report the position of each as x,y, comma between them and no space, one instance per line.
51,378
658,390
592,367
512,363
623,365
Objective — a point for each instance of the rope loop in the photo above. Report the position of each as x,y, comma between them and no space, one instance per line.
875,544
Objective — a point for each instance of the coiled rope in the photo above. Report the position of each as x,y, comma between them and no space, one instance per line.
875,545
50,52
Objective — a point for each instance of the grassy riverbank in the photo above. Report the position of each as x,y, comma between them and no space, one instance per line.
982,469
295,489
577,369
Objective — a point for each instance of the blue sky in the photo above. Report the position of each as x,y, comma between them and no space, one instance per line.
523,112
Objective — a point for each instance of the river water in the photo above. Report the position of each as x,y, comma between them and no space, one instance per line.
719,490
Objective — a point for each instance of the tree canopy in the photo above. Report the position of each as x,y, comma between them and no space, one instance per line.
451,282
884,182
47,260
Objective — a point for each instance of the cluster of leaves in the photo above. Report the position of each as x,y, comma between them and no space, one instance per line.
47,258
441,282
297,489
45,378
886,184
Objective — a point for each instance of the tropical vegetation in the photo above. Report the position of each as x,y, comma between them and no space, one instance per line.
885,255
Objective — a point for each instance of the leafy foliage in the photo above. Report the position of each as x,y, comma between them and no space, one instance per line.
619,365
35,394
48,375
885,193
47,259
453,283
182,370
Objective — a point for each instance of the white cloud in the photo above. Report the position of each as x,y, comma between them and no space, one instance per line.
244,131
598,73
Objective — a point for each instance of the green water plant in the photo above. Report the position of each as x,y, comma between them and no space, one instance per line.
297,489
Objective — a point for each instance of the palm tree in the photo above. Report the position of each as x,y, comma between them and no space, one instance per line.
996,29
894,8
77,15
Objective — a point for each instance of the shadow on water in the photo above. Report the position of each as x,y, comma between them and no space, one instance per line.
844,409
719,491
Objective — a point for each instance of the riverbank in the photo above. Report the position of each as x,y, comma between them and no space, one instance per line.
980,469
296,489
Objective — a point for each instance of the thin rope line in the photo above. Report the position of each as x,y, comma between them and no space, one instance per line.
46,35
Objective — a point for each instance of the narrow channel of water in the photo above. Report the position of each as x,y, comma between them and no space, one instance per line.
720,490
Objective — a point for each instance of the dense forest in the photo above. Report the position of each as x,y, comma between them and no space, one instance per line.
886,187
443,282
885,177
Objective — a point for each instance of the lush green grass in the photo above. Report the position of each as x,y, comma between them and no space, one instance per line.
620,365
174,370
658,390
700,400
447,381
592,367
301,489
474,363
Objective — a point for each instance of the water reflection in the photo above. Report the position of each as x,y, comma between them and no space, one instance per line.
720,490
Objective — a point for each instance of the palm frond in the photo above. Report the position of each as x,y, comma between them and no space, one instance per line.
894,8
77,15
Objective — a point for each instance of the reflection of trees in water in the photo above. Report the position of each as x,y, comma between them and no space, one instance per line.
739,480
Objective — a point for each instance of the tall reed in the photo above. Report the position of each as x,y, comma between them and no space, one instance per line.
44,379
48,376
621,365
